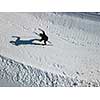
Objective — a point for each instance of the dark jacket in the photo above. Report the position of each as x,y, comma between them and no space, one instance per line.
44,37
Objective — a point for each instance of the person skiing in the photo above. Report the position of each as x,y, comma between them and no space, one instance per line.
43,36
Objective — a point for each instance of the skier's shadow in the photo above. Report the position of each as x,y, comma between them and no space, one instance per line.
19,41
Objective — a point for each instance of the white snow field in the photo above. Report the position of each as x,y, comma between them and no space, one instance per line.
72,60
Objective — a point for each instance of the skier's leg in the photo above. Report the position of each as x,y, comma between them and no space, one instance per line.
44,42
41,40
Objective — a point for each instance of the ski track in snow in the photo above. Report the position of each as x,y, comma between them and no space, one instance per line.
75,52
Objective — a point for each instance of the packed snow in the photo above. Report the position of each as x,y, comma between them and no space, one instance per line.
71,60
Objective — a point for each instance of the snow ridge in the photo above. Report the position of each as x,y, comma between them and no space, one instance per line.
16,74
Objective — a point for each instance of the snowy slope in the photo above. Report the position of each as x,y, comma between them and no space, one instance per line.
76,45
15,74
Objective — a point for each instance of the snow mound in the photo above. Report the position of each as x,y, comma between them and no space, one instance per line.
16,74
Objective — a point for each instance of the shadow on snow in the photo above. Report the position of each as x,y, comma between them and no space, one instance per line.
19,41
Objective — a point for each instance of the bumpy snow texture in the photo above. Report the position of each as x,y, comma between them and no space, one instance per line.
16,74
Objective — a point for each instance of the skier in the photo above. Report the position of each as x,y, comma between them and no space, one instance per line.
43,36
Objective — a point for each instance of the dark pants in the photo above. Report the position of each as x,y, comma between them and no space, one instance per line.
43,40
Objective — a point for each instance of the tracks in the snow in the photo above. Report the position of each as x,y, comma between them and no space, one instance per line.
81,39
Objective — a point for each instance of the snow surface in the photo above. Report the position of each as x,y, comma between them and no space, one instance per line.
74,55
15,74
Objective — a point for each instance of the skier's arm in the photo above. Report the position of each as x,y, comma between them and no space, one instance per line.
37,34
41,30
